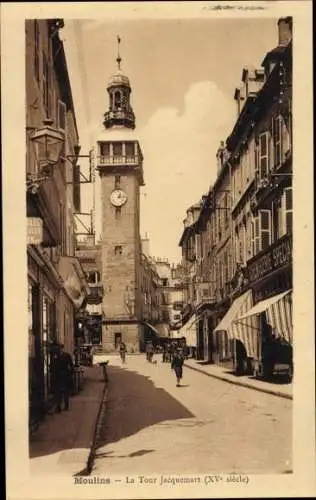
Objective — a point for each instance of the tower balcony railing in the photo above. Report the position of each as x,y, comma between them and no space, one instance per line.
119,115
119,160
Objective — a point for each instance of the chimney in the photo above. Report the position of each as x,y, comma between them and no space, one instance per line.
285,30
145,245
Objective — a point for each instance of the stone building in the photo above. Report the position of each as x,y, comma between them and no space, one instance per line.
120,166
91,317
242,234
56,281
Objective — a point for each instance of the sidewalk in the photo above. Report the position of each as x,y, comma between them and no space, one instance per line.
222,373
62,442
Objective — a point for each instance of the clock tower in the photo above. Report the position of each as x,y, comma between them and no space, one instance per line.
120,166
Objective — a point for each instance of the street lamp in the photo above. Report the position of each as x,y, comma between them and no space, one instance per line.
48,144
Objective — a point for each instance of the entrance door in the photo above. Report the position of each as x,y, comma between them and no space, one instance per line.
117,339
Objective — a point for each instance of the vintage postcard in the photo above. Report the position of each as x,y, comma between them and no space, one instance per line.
158,249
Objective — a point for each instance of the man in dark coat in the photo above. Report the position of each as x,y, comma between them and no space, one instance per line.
63,371
177,364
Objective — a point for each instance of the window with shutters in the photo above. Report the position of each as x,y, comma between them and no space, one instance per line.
287,210
277,142
255,236
263,167
256,159
265,229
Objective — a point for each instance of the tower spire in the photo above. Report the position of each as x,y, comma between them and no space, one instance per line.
118,59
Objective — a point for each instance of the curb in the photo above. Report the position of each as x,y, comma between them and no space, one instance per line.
241,383
91,456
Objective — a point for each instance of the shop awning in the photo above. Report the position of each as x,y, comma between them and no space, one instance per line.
189,331
279,313
151,327
236,310
74,280
246,332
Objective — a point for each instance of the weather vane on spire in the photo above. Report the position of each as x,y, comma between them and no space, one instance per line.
118,59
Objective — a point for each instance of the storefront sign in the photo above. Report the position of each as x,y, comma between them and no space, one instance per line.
34,231
274,258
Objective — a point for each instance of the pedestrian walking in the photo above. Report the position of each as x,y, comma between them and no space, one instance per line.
123,351
177,365
63,376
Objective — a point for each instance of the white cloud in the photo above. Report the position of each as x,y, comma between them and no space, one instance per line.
180,162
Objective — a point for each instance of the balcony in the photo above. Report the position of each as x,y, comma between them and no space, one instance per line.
125,118
95,293
119,160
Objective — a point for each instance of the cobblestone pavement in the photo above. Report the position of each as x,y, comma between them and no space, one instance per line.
151,426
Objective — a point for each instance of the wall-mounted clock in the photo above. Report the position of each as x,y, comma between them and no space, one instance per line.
118,197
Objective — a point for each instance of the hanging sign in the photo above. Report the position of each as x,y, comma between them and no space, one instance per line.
34,231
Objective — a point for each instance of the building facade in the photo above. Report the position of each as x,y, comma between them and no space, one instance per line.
91,316
242,235
56,281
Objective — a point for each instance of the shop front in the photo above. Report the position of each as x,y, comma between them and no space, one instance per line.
231,349
268,323
43,292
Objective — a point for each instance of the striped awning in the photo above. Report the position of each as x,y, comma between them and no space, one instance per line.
152,328
279,314
189,331
239,307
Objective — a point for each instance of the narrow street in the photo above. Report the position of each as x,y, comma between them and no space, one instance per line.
151,426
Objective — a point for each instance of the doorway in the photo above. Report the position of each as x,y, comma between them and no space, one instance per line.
117,339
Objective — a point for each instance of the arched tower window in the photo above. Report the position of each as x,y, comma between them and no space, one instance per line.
117,99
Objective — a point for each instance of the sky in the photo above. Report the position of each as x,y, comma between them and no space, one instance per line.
183,75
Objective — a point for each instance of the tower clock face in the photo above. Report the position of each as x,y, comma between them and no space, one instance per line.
118,198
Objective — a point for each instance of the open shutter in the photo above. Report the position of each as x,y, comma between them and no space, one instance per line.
265,229
263,155
255,236
288,209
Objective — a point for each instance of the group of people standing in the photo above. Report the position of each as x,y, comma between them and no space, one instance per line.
171,353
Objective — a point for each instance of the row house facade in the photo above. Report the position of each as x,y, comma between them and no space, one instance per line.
242,234
56,280
151,302
91,316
